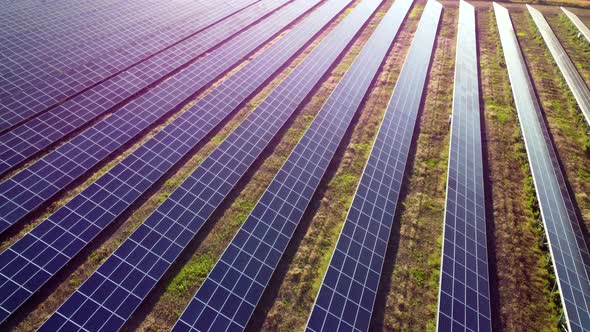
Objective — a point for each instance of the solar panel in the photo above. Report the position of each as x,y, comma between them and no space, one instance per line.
36,17
229,295
578,23
566,66
126,277
63,33
34,57
464,297
30,188
40,83
567,247
30,262
347,294
37,134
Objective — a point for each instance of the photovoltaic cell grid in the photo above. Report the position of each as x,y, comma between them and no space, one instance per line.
566,66
347,293
34,57
30,52
34,99
36,18
464,297
28,139
19,21
569,252
36,15
31,187
9,7
31,261
70,77
578,23
229,295
58,34
123,281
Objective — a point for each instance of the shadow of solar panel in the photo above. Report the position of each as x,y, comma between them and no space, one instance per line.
229,295
464,297
347,294
31,187
566,66
41,73
32,260
567,246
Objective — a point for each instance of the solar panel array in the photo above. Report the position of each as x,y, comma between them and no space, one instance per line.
41,83
347,294
464,296
569,252
33,136
229,295
578,23
37,17
28,189
566,66
114,291
30,262
95,75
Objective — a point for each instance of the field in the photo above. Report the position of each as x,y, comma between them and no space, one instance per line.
524,295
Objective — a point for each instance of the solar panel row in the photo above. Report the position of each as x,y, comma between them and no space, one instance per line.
40,181
569,252
58,34
38,14
464,297
123,281
347,294
35,21
27,4
566,66
578,23
35,135
47,91
51,9
34,259
229,295
55,53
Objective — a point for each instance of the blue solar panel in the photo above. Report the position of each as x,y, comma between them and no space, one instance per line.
31,261
568,69
28,189
151,249
347,293
37,134
464,297
568,248
229,295
41,74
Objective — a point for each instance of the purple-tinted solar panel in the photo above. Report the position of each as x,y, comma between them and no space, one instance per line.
152,248
28,189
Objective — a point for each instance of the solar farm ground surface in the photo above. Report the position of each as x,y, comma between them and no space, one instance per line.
522,280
